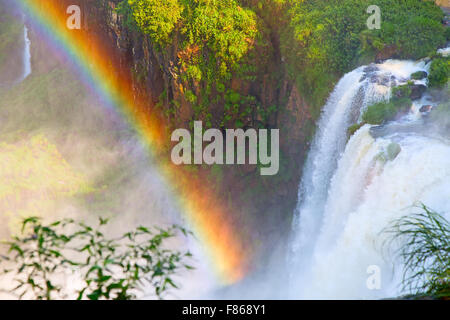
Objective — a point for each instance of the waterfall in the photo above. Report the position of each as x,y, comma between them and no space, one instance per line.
350,192
26,55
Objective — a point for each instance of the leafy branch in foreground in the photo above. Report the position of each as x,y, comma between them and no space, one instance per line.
105,268
425,252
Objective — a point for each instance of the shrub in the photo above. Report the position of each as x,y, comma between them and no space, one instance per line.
439,72
420,37
384,111
425,251
156,18
109,268
221,28
379,112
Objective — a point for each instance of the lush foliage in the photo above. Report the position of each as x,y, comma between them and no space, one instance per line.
439,72
157,18
425,251
106,267
328,38
379,112
210,37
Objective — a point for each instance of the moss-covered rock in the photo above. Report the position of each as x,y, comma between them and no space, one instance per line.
409,90
417,91
419,75
381,112
402,91
439,72
393,150
354,127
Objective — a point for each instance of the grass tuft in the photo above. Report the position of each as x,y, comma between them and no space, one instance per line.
425,252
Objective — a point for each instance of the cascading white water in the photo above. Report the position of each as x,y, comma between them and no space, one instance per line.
349,193
325,150
349,97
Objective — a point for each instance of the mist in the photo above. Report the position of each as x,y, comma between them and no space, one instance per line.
66,154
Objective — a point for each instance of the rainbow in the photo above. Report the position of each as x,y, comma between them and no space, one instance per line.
203,211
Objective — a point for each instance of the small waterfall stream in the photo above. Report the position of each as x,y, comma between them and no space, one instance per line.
26,55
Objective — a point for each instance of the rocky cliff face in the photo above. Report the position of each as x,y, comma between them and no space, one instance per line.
264,203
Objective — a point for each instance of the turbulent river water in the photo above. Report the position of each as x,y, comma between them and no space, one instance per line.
350,192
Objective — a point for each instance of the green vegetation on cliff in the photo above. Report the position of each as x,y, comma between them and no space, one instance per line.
328,38
216,42
439,72
210,38
385,111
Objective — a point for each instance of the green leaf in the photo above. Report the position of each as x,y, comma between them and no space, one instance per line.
95,295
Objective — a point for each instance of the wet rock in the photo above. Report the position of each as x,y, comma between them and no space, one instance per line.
388,52
447,21
426,108
377,131
384,80
393,78
417,91
369,72
364,77
373,78
370,68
